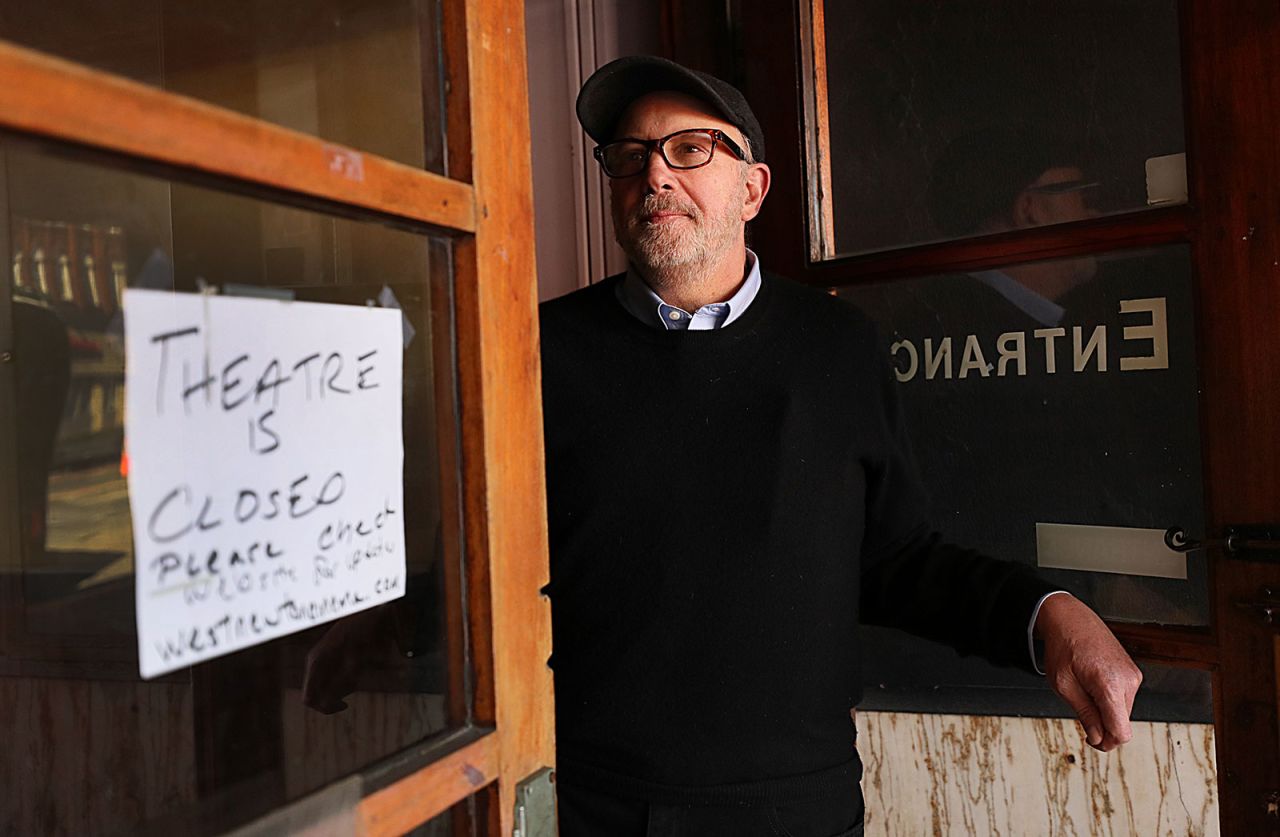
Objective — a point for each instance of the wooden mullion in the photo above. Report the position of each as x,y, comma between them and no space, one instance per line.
457,106
452,544
429,792
473,420
1149,228
11,541
472,581
500,382
50,97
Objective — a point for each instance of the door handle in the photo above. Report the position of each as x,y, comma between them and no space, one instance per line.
1254,543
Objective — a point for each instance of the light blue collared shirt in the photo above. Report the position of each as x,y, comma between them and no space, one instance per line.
645,304
1039,308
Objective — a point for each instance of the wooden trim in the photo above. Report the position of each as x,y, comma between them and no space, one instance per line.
54,98
453,43
1148,228
12,601
502,405
415,799
1167,644
476,570
448,445
1233,72
823,210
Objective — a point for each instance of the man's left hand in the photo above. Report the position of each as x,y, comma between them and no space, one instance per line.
1088,669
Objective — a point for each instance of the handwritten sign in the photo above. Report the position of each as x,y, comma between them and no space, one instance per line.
265,468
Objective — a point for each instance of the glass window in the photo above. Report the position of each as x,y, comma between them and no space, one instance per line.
1055,395
950,120
215,745
363,73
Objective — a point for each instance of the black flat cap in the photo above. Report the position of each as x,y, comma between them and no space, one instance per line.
980,173
616,85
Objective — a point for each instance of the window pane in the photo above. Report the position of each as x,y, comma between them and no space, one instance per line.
363,73
222,742
948,120
1075,406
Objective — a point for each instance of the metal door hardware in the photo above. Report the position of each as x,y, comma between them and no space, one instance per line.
1248,543
536,806
1267,608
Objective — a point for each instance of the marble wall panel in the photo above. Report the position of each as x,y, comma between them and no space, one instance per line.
961,775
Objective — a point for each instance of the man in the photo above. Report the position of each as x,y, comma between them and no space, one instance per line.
1010,178
730,491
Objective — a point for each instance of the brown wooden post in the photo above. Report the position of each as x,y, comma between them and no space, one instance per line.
1233,84
501,399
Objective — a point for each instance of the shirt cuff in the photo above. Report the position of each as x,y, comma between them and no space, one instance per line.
1031,626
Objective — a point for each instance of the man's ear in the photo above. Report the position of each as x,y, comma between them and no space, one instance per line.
758,178
1028,210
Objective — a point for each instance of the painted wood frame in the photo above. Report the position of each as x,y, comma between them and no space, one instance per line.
486,206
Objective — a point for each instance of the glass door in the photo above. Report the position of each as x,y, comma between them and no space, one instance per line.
1061,217
350,154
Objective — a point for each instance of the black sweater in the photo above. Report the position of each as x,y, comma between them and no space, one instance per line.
724,508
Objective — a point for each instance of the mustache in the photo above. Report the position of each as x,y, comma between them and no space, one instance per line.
663,203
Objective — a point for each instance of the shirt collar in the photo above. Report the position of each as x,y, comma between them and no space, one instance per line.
1041,309
645,305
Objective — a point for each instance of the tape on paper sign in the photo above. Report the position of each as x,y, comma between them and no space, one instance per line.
265,468
1107,549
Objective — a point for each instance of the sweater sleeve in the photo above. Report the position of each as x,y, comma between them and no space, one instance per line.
913,580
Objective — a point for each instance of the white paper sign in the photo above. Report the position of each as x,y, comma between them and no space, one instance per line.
265,468
1107,549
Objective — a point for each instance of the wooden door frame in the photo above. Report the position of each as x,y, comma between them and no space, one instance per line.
486,207
1231,79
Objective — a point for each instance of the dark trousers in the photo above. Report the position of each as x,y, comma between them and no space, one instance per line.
585,812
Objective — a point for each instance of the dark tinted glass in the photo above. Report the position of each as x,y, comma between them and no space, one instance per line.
1053,397
363,73
94,749
941,116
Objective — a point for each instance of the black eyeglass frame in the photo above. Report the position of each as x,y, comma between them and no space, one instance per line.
717,137
1064,186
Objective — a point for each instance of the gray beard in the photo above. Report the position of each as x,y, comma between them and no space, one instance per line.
669,257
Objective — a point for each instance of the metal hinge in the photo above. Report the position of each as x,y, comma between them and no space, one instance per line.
536,806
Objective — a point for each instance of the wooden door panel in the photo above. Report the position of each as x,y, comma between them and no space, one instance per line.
1231,82
484,347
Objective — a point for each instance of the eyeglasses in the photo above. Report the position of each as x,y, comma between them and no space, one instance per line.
688,149
1063,187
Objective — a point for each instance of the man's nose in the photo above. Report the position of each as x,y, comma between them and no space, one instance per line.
657,174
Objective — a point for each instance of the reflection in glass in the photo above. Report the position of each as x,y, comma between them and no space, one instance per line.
213,746
364,74
950,120
1049,392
